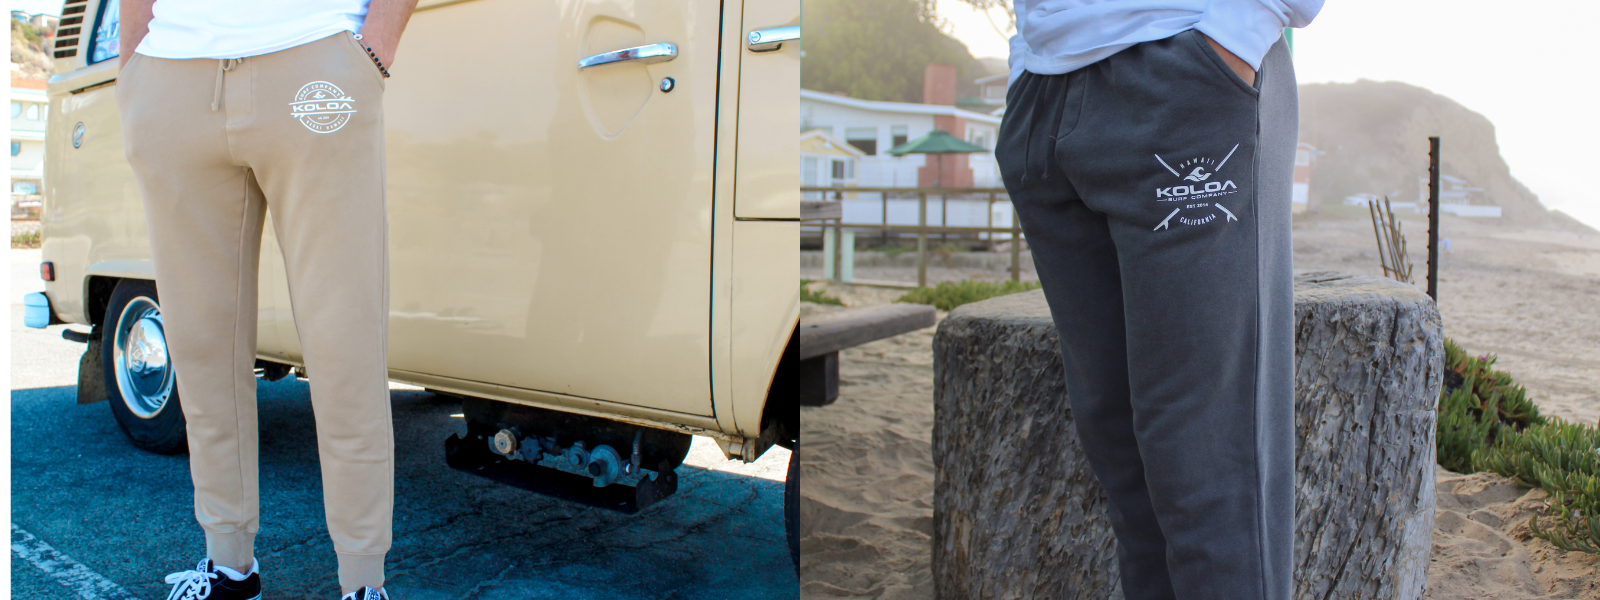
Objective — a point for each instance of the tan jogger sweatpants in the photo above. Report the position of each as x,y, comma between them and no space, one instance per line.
213,143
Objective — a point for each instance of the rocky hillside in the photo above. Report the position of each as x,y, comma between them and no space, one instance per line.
1375,136
28,50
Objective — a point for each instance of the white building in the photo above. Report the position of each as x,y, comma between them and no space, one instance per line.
1457,197
30,110
826,161
873,127
869,129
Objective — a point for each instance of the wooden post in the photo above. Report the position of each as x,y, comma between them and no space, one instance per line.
922,239
1016,244
1018,513
1433,218
884,202
991,222
838,249
944,218
1377,233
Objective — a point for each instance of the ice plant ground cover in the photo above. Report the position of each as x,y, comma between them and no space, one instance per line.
1488,423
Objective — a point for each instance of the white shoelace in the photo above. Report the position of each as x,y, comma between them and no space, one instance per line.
366,593
193,584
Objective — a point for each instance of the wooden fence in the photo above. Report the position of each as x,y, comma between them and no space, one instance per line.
830,213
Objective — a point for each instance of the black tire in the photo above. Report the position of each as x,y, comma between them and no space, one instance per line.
160,429
791,507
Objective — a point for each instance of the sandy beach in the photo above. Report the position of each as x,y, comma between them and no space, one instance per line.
1532,297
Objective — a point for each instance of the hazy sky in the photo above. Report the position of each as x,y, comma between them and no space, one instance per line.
1529,67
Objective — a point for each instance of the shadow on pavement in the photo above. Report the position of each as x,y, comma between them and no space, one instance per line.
128,515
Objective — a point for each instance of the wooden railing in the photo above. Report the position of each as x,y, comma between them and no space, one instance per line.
821,211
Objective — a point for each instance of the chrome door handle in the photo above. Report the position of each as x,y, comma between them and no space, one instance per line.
652,53
767,40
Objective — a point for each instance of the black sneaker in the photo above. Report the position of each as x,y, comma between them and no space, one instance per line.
206,583
367,593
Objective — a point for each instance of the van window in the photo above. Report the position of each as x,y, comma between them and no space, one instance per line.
106,30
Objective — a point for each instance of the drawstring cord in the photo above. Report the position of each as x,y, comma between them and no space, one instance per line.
223,65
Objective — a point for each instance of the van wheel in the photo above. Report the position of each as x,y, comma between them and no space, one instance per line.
142,390
791,507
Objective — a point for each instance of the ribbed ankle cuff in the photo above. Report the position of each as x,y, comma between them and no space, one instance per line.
234,549
356,570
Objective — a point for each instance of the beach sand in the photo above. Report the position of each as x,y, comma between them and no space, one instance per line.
1532,297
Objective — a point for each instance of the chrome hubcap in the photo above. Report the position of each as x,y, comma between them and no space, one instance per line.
139,355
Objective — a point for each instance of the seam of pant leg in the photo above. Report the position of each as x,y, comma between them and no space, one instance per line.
238,424
1255,367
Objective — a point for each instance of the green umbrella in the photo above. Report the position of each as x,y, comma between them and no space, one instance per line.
937,141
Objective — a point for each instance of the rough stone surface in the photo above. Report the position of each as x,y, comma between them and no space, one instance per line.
1018,513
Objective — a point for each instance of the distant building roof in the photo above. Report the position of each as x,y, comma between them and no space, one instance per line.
27,84
898,107
818,141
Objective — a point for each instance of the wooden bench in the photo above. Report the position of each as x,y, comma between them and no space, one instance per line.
823,336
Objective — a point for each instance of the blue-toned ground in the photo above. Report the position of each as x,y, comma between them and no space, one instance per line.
127,516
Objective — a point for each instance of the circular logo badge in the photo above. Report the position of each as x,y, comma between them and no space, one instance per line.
322,107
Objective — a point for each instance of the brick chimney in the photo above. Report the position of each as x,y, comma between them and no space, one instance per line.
944,170
939,84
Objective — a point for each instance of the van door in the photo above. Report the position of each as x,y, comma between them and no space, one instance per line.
550,224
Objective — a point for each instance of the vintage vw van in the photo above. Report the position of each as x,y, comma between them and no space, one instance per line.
594,228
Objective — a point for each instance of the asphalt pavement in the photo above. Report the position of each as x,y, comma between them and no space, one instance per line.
93,517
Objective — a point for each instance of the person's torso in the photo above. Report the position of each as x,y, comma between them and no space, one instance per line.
241,28
1060,36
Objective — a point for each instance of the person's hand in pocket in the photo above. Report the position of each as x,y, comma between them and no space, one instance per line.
1238,65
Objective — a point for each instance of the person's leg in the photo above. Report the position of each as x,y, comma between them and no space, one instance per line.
314,135
1078,269
204,214
1191,167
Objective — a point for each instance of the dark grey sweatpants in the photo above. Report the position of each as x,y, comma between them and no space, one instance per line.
1154,191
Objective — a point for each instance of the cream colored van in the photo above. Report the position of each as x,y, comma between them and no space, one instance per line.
594,229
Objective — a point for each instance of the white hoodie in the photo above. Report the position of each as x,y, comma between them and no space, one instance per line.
1060,36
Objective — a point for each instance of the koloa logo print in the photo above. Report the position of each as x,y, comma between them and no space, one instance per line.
1196,202
322,107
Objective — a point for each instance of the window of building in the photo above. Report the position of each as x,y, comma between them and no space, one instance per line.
899,135
980,138
843,169
864,139
808,171
33,112
16,148
107,30
16,109
1302,158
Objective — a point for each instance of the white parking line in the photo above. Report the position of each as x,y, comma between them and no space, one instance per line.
88,584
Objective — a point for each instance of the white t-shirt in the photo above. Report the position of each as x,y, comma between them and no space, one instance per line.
240,28
1060,36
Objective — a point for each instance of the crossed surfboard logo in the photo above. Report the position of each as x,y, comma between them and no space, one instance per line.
1196,199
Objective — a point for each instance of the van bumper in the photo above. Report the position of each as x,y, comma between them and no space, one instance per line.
36,311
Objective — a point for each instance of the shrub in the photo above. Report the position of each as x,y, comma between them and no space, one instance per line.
25,240
1487,423
1476,405
894,250
1559,457
946,296
806,295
